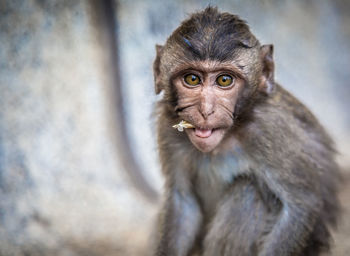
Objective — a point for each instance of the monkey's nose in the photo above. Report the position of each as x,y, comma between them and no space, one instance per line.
207,102
207,114
206,110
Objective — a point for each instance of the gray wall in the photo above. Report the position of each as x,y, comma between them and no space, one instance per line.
63,189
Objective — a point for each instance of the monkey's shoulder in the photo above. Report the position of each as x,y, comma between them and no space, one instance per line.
283,112
281,128
285,101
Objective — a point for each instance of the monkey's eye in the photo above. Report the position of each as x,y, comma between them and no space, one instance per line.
224,80
192,80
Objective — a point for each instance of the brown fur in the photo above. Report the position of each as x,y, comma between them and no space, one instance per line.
270,186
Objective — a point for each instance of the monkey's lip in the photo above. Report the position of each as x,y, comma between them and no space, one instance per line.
205,139
203,133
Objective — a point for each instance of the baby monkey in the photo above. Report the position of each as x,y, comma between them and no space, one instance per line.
253,173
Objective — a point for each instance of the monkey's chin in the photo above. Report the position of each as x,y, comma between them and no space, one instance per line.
205,140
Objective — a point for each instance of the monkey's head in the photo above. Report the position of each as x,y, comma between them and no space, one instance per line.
211,69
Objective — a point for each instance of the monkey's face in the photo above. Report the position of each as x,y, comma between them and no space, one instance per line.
207,94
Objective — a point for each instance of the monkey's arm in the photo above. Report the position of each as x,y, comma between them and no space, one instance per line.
301,204
179,224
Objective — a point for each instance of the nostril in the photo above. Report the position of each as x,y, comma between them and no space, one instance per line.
206,114
206,108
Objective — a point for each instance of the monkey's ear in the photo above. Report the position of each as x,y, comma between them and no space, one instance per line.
267,81
156,69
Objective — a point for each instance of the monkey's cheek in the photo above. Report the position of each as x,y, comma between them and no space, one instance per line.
208,144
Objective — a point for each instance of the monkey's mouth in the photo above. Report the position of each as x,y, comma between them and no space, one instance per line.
205,139
203,133
199,132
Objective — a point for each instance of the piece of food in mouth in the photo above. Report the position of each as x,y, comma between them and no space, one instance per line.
183,125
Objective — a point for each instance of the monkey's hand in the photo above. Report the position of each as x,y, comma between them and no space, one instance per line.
183,125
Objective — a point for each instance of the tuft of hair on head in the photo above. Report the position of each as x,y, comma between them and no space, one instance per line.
210,34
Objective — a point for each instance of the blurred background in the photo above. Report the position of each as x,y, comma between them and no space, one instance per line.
79,173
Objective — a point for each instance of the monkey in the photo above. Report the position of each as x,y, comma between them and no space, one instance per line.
252,172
